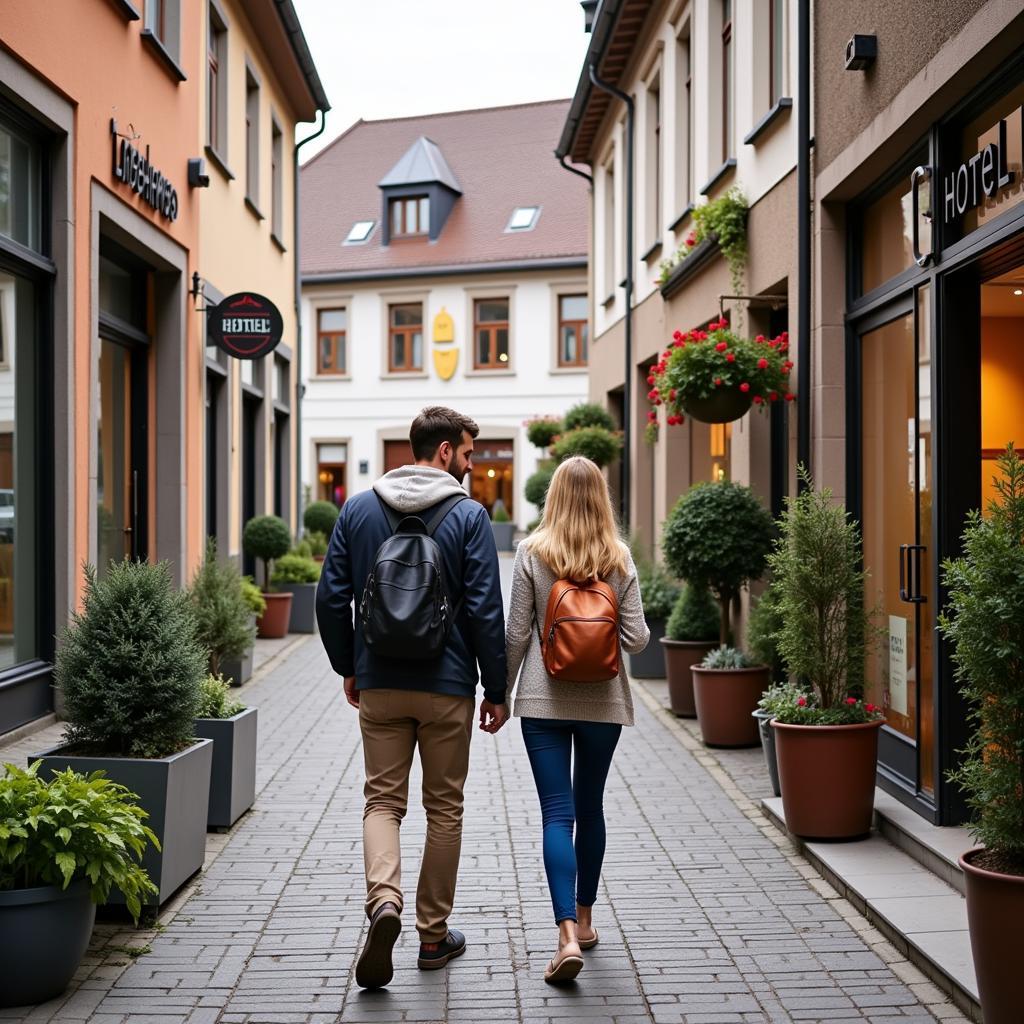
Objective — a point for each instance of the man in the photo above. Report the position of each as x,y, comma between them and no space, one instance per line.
403,702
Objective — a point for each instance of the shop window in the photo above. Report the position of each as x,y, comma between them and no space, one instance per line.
573,330
217,82
410,216
886,236
332,468
20,196
331,333
720,449
405,337
493,475
276,182
252,139
490,331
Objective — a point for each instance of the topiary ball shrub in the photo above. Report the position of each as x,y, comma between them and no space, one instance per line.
266,538
537,485
221,609
320,517
598,444
541,432
695,616
718,535
588,414
130,664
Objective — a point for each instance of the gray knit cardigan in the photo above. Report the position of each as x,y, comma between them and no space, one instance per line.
540,696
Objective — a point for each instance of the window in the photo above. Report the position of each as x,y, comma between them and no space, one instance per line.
276,184
609,232
332,465
405,337
252,138
573,330
20,193
727,61
216,83
361,231
410,216
490,329
331,347
653,176
524,218
776,49
684,125
162,26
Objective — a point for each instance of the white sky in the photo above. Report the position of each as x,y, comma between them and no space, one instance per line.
397,58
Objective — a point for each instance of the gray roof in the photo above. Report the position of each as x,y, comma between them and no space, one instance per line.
422,164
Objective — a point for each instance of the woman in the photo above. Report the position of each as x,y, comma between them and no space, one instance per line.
577,539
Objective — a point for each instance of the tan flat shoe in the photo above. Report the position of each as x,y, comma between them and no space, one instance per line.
564,967
589,943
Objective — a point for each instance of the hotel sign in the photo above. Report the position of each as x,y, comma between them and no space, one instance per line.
139,174
245,325
983,175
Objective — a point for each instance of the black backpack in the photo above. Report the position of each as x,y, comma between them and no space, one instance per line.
404,610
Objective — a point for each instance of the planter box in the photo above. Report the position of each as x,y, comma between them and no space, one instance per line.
303,614
44,933
650,662
166,788
503,533
233,775
237,671
764,728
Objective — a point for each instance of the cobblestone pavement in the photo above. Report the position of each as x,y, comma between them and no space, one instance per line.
706,915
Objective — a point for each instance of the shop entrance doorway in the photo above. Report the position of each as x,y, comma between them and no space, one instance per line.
493,476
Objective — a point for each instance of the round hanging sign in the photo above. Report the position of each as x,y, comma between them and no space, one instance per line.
246,325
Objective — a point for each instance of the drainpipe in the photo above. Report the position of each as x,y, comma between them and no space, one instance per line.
803,202
627,399
299,386
572,170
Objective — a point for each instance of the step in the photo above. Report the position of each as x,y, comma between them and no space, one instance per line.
918,911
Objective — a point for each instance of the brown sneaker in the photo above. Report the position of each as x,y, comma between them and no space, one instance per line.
374,968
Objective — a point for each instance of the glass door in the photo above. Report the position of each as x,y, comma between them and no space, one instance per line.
896,519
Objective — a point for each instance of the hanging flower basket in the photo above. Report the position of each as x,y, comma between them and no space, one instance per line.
716,375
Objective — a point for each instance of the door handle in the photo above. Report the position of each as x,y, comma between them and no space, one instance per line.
910,573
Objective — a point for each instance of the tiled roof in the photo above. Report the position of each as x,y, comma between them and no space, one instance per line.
501,157
422,162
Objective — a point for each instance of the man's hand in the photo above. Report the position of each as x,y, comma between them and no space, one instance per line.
492,716
351,693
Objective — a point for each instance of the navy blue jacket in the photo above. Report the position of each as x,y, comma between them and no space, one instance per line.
471,574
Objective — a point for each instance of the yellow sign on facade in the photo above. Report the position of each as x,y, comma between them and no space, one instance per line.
445,361
444,326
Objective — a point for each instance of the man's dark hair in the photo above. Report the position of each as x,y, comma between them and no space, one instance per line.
435,425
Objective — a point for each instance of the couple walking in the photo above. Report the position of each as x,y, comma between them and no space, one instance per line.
410,612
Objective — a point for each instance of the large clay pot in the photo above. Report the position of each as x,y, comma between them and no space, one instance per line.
827,775
995,916
721,406
680,657
273,623
726,699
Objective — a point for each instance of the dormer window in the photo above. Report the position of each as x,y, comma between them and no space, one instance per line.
410,215
524,218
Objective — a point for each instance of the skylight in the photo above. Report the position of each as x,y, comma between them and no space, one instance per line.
361,231
524,218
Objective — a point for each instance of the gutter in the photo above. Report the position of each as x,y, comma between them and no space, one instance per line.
292,26
447,270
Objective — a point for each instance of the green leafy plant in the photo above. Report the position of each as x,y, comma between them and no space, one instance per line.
253,596
294,569
221,609
826,631
588,414
763,625
317,542
718,535
267,538
500,514
725,658
804,710
658,592
69,828
695,616
302,548
537,485
598,444
778,695
215,700
983,623
130,663
540,432
321,517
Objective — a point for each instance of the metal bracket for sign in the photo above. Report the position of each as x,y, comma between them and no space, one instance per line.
775,301
198,291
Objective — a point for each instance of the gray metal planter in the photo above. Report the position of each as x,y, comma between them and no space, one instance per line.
650,662
503,533
233,776
167,788
767,733
44,933
237,671
303,617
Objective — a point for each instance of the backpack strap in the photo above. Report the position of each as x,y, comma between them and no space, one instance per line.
440,511
393,518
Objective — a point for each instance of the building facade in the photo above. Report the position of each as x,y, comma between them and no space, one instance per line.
450,270
710,82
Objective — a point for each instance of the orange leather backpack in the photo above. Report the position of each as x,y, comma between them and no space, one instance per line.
580,642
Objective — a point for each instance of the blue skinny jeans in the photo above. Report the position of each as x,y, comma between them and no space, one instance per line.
571,794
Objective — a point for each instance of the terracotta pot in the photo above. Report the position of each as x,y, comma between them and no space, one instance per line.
721,406
273,623
827,775
680,657
726,699
995,916
319,559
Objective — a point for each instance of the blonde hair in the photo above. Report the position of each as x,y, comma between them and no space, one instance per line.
578,537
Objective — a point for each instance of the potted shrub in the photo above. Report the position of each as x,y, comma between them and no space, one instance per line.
267,538
775,697
726,688
599,444
690,634
982,621
542,430
129,666
297,576
659,593
502,526
232,727
223,620
827,739
64,843
317,545
537,484
588,414
239,670
320,517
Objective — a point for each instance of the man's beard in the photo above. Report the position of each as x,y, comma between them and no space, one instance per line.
458,469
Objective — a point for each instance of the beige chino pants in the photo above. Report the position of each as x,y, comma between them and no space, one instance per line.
393,724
